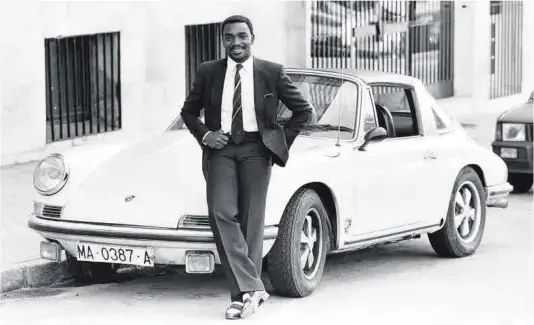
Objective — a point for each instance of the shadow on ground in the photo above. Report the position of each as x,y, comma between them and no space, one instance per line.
169,281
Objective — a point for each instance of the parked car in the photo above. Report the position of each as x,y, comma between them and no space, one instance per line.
380,163
513,143
330,47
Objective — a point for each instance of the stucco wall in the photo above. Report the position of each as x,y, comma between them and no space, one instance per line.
152,61
153,58
472,41
528,47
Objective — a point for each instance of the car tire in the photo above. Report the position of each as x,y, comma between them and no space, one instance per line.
522,183
91,272
304,229
464,225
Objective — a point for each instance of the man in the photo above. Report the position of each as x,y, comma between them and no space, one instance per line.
241,140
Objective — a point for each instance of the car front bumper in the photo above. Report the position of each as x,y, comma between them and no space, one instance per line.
170,245
522,164
497,195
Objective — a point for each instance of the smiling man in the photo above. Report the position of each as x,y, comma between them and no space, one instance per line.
241,140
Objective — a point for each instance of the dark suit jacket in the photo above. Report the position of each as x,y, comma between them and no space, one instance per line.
269,78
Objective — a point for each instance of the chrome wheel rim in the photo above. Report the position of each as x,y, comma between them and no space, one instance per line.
467,212
311,243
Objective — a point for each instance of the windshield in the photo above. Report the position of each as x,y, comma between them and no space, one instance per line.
334,102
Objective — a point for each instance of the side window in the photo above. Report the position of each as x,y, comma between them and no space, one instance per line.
368,112
440,125
394,98
334,102
442,120
399,101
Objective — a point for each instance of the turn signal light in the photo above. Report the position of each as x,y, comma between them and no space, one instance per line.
51,251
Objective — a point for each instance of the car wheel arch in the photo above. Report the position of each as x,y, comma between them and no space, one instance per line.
330,203
479,172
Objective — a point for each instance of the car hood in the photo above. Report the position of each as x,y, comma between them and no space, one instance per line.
521,114
149,183
155,179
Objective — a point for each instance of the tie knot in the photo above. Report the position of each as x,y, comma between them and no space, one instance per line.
238,67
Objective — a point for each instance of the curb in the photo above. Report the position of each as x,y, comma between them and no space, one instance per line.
34,273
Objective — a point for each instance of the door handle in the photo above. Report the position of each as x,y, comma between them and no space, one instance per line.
431,156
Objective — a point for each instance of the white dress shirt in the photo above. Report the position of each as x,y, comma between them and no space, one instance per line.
247,96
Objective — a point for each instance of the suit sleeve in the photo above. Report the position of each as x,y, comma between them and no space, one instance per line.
194,104
294,101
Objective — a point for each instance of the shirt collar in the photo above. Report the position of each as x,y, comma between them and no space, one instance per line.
247,65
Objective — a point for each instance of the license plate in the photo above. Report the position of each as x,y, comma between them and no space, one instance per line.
199,262
508,152
91,252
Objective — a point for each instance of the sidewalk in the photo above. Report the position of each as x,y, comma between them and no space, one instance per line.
21,265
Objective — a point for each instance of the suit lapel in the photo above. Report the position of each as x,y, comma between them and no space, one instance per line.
217,88
259,87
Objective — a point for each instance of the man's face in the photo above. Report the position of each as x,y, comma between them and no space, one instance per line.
237,40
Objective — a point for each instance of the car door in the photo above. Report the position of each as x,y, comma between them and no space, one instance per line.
323,140
393,176
441,138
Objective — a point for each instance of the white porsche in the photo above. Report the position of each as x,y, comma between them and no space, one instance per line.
380,163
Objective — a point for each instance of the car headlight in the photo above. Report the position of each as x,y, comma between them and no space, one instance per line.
513,132
51,174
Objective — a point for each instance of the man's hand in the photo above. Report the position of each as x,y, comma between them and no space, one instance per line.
216,139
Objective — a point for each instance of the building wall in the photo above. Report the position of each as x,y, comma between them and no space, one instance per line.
24,102
528,47
153,58
472,37
152,61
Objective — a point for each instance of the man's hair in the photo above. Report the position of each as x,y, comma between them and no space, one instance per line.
238,19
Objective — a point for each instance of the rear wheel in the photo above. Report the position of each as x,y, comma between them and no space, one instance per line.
90,272
521,182
296,260
466,217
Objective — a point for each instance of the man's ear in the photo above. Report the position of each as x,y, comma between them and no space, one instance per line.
252,38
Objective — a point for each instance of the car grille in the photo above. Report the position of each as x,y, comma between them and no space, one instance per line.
51,211
194,222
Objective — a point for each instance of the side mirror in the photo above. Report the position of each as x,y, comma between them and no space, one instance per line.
374,135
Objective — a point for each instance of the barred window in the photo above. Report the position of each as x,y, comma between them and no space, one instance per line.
202,43
83,85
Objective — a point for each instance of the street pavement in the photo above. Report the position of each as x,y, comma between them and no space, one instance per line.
403,283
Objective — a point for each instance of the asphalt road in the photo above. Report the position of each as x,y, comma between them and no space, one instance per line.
404,283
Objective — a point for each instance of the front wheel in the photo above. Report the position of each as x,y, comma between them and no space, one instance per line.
296,260
466,217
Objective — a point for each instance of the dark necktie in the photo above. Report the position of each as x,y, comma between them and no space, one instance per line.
237,112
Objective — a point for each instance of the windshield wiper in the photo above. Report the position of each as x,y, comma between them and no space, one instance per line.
327,127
